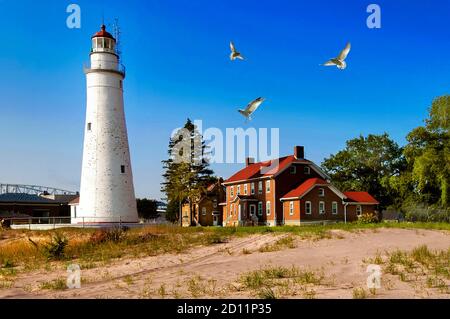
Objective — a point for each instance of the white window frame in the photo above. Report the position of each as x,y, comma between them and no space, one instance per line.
293,170
252,189
268,210
204,211
334,208
268,186
231,191
245,189
215,203
260,187
291,208
321,192
260,209
322,211
308,203
307,170
359,208
238,191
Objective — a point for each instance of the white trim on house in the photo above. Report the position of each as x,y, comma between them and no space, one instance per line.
310,208
291,208
323,210
334,205
362,203
246,180
360,210
321,192
268,211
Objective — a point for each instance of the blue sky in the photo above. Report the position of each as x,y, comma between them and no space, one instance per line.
176,54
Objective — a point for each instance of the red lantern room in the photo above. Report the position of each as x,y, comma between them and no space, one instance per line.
103,41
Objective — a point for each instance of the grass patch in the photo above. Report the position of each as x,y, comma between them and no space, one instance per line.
267,293
275,282
421,265
280,244
359,293
57,284
91,247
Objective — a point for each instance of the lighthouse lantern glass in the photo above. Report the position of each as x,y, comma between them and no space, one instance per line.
101,44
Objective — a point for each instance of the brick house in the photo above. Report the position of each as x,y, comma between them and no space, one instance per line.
287,191
207,211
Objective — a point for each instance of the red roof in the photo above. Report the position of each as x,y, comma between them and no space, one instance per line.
305,187
254,170
361,197
103,33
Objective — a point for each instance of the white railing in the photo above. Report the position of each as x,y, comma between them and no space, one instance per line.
77,222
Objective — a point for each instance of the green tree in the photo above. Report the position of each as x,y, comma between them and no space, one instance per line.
186,171
367,164
428,157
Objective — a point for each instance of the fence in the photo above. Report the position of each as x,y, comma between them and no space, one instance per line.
42,223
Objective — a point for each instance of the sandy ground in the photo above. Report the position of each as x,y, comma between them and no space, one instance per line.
340,258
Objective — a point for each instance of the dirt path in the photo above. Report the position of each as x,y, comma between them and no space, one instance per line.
219,266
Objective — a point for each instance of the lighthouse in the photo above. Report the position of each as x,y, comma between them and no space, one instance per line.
106,190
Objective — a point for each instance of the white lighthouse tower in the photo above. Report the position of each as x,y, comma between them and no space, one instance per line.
107,191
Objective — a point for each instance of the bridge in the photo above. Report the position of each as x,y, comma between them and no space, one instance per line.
33,190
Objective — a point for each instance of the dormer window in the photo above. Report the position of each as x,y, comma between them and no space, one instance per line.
306,170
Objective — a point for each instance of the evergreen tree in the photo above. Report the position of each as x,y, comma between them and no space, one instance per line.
187,171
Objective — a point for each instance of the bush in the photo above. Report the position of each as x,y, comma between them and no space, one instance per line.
427,214
115,235
367,218
56,247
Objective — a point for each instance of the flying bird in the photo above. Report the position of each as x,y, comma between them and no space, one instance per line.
339,61
234,54
251,108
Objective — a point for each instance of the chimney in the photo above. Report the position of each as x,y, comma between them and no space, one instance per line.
299,152
249,161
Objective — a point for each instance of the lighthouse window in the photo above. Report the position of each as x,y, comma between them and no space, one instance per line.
120,84
122,169
89,126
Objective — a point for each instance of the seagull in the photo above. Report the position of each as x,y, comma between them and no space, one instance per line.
339,61
234,54
251,108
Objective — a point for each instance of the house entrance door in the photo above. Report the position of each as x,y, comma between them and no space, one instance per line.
252,210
